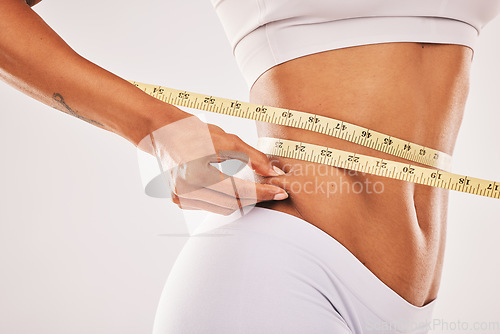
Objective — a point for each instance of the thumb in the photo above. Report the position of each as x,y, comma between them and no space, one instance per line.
258,161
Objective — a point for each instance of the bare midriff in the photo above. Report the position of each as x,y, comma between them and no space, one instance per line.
412,91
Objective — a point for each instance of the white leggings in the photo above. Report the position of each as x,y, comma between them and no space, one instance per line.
272,273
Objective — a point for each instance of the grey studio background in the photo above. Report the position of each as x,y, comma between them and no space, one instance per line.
82,248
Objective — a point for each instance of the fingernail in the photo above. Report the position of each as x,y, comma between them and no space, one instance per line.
279,171
280,196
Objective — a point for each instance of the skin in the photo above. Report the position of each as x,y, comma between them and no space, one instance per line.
64,80
408,90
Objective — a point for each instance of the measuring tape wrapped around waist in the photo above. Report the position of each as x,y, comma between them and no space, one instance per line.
437,175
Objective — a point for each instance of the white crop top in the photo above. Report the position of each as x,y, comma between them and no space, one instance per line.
265,33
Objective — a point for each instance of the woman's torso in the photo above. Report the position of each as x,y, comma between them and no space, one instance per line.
413,91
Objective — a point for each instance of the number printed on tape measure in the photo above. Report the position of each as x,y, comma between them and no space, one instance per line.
377,166
303,120
435,177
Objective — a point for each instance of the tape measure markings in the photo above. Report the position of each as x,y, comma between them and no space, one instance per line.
299,119
377,166
435,177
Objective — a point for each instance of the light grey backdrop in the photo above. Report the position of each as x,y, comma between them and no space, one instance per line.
81,246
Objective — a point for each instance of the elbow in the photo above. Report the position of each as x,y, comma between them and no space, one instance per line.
31,3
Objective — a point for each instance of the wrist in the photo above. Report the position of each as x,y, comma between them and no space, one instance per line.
149,119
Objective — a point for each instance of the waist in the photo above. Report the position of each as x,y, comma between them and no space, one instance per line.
408,90
415,92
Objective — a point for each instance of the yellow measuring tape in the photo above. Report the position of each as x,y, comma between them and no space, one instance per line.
437,176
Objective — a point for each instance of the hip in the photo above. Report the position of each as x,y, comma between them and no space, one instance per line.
240,271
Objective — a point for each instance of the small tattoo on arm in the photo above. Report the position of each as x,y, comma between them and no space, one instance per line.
60,100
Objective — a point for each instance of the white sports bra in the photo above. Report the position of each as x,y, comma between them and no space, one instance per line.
265,33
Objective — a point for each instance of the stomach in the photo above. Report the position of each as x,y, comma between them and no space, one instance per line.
414,91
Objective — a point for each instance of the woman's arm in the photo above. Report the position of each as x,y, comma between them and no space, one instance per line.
35,60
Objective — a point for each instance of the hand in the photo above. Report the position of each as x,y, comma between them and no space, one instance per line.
186,150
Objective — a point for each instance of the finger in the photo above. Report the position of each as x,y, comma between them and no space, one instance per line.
193,204
174,197
282,181
186,207
231,186
245,189
231,197
190,204
183,205
257,160
248,190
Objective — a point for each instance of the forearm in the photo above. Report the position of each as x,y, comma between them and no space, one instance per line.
35,60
